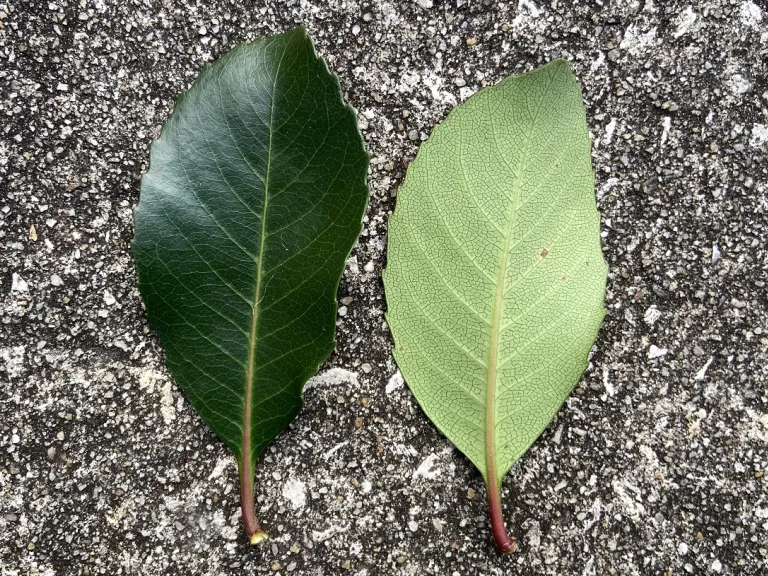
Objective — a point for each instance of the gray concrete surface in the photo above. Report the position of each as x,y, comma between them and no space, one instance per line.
655,465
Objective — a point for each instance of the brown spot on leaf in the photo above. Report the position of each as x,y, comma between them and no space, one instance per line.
544,253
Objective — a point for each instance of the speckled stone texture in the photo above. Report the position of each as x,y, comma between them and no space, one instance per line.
654,466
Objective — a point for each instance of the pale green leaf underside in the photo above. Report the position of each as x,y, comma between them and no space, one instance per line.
495,276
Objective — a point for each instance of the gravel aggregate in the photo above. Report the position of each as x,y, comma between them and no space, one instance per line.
656,465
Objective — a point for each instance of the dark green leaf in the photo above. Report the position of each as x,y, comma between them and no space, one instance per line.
253,200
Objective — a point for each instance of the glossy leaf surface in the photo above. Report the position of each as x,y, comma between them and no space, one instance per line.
252,202
495,276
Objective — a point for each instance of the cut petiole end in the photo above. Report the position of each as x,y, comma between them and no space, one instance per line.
508,545
252,527
504,542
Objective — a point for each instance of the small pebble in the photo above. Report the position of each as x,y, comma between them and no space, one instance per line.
715,253
656,352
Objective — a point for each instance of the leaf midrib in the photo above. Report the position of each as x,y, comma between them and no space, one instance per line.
247,464
491,473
